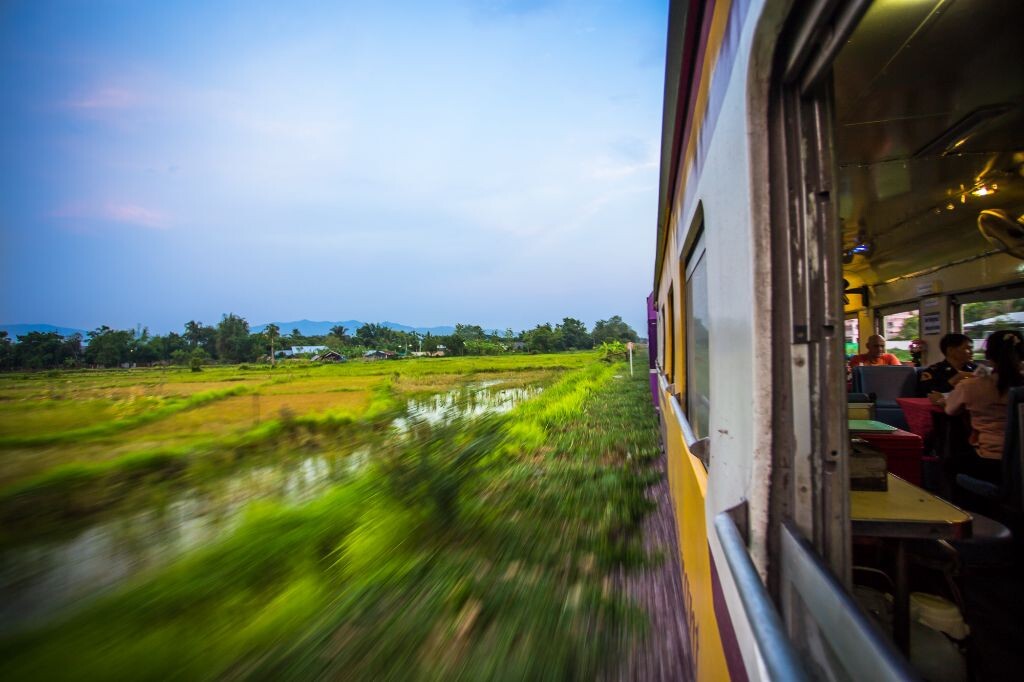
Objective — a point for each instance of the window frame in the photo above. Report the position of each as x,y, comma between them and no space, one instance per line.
693,259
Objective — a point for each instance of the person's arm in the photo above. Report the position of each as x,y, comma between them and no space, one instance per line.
957,399
925,382
958,377
891,359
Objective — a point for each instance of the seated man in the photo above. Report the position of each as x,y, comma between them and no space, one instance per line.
941,377
876,354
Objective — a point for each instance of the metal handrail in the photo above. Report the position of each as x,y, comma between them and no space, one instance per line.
684,424
780,660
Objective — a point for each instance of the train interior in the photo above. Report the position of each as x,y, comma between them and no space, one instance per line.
928,146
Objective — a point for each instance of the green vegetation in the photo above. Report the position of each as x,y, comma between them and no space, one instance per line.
72,444
470,549
231,341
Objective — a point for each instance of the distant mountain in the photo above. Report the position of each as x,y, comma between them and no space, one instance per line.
306,327
16,330
315,328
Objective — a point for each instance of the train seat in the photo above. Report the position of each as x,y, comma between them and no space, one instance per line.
1006,496
885,384
990,544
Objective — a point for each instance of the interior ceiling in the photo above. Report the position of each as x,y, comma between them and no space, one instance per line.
911,71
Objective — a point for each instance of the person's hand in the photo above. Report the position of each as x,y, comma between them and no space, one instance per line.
937,398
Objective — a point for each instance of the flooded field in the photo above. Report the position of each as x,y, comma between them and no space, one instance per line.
235,510
38,579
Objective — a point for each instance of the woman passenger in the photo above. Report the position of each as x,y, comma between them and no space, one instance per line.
941,377
984,398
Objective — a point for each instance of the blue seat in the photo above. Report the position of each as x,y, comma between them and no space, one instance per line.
885,384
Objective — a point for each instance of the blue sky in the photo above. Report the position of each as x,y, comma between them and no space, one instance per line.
428,163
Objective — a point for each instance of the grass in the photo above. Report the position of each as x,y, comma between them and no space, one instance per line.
53,419
473,550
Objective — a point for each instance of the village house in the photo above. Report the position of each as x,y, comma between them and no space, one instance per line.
299,350
379,355
329,356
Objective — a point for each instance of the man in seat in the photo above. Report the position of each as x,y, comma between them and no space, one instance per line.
876,354
941,377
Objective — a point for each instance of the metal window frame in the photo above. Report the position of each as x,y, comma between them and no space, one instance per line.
859,646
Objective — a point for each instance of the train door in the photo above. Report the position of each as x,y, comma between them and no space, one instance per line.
893,125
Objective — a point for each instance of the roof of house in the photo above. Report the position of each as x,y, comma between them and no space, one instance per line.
329,354
308,349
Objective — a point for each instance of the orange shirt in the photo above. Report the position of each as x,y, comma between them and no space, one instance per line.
883,359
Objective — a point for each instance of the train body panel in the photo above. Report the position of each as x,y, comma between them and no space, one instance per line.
748,359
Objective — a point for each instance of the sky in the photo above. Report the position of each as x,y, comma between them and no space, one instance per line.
488,162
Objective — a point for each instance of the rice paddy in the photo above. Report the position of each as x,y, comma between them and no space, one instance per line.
423,519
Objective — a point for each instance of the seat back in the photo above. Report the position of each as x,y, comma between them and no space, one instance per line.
1013,450
886,382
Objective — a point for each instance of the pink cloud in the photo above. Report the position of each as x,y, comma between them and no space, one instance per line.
131,214
115,212
104,98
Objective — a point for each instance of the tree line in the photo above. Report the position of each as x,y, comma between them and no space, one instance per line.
232,341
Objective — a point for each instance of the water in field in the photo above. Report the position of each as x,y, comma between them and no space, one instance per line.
473,400
40,579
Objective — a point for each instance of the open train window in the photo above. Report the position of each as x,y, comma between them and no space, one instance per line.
663,352
670,341
698,342
851,336
900,328
983,313
924,108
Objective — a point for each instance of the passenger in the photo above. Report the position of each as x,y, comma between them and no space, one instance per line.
943,376
876,354
984,398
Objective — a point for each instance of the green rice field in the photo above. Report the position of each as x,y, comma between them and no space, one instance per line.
422,519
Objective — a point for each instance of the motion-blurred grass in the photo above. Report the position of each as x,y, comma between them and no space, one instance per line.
480,549
61,426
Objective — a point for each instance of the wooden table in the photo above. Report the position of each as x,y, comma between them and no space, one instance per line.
905,512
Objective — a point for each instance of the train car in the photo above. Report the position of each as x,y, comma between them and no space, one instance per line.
830,170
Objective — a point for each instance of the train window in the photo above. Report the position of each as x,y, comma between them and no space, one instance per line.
899,330
670,341
664,338
698,343
980,318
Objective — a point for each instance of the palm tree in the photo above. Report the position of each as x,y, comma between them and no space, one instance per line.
193,332
273,332
340,331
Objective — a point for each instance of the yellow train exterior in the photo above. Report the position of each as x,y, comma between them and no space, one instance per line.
788,219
